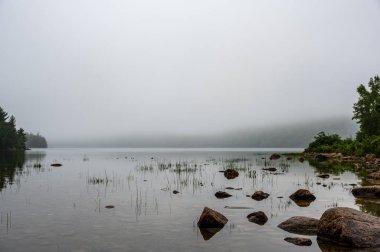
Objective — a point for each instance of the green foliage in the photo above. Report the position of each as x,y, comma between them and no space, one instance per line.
367,113
367,108
324,143
10,138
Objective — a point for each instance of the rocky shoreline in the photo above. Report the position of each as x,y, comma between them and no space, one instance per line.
370,161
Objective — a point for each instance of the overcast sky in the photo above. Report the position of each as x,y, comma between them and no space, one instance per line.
79,69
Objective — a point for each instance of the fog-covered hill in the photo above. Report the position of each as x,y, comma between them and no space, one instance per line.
295,135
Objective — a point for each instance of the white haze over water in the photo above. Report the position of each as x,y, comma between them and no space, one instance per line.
83,69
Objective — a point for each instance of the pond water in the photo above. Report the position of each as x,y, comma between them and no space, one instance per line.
45,208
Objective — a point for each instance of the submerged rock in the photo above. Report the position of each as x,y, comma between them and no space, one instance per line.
274,156
324,176
222,195
231,173
260,195
366,192
349,227
237,207
110,206
211,219
300,225
56,164
302,197
299,241
271,169
259,218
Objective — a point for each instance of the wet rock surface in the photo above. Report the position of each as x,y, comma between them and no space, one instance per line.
300,225
271,169
231,173
222,195
259,195
299,241
259,218
56,165
302,197
366,192
349,227
211,219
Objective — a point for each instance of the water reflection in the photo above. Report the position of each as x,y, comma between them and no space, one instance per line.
11,164
208,233
326,246
371,206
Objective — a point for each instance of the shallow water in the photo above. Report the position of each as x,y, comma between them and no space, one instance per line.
44,208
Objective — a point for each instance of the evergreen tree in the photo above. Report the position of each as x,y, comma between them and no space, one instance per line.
10,137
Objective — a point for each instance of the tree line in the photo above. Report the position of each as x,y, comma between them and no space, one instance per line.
367,114
10,137
35,141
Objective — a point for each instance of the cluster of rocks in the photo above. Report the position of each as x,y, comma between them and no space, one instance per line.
369,161
341,225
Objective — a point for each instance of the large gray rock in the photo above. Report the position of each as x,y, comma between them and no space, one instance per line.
211,219
366,191
349,227
300,225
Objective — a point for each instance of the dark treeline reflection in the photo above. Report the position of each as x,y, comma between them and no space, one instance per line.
12,165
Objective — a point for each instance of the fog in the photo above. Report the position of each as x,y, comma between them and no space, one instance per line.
80,70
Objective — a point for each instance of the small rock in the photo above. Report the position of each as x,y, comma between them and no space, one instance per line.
349,227
259,217
374,175
366,192
175,192
289,158
56,164
300,225
211,219
260,195
299,241
231,173
301,159
274,156
302,197
110,206
222,195
237,207
230,188
272,169
324,176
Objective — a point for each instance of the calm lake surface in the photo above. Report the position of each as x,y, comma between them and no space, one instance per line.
44,208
